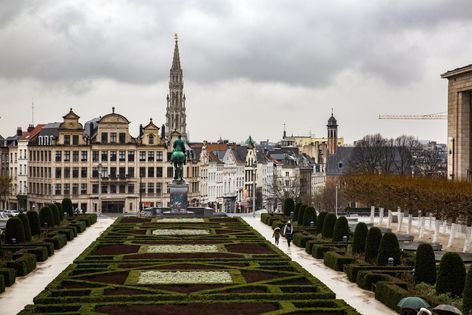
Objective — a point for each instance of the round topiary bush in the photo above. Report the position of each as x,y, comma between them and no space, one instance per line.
467,294
341,229
320,221
289,206
301,213
372,243
328,225
33,218
67,206
55,213
45,216
451,275
14,231
425,264
296,211
389,247
1,248
359,239
308,216
61,212
26,226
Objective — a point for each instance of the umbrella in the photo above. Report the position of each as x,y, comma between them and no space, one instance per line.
413,302
446,309
277,228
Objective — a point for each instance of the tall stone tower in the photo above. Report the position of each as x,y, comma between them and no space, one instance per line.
175,111
332,135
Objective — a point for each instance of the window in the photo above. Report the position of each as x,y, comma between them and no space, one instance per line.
150,171
122,138
142,172
159,156
66,189
75,172
130,188
130,172
170,172
83,172
142,188
75,156
58,189
84,156
113,172
66,172
95,156
113,137
122,188
158,188
112,189
95,172
131,156
95,189
158,171
75,140
66,156
151,156
286,173
122,156
150,188
104,137
83,189
104,155
58,156
66,139
75,189
122,172
104,189
142,155
113,156
58,172
151,139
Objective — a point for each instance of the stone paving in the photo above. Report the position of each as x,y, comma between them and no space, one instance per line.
26,288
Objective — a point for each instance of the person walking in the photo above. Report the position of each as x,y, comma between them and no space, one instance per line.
288,232
276,235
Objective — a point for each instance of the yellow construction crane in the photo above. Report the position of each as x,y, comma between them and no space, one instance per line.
435,116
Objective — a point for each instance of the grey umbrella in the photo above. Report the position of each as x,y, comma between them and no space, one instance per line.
446,309
413,302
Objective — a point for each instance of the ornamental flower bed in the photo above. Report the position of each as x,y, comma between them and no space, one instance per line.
155,266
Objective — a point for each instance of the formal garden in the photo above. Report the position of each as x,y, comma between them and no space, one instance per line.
215,265
372,258
32,237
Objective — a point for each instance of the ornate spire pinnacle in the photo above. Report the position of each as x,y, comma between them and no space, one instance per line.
176,60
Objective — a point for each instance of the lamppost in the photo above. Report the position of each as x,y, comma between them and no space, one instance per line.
99,208
254,190
336,210
140,192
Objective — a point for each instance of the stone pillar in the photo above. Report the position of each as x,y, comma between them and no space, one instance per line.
400,219
410,220
421,227
389,219
372,214
437,224
381,215
430,220
452,235
444,226
468,236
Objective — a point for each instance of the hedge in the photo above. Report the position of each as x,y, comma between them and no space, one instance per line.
425,264
14,230
300,239
389,248
46,218
2,284
308,216
33,218
9,275
289,206
359,239
59,240
320,221
467,294
61,212
80,225
328,225
318,250
301,213
55,214
67,207
351,270
26,225
366,278
336,261
296,211
389,293
341,229
23,265
451,275
265,217
40,252
372,242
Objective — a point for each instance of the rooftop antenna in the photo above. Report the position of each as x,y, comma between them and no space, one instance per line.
32,111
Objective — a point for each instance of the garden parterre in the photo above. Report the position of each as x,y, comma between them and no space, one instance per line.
229,270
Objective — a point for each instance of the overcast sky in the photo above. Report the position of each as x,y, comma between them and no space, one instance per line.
249,66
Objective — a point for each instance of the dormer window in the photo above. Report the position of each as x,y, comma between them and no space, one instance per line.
113,137
66,139
151,139
340,165
40,140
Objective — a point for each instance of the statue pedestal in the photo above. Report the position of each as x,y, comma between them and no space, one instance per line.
178,196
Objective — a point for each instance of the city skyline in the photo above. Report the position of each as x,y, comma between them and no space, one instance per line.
237,69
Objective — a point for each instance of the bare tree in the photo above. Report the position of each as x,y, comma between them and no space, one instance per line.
407,151
4,187
284,187
368,154
325,199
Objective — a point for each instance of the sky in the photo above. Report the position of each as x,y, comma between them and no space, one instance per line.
249,66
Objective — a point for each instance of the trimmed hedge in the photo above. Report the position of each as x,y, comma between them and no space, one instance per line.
451,275
26,225
389,293
265,217
61,212
389,248
328,225
341,229
372,242
301,214
467,294
80,225
59,240
15,230
352,270
359,239
337,261
55,214
425,264
308,216
289,206
300,239
320,221
67,207
33,218
319,250
23,265
46,216
366,278
296,212
9,275
2,284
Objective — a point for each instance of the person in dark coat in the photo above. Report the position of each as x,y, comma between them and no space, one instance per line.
288,232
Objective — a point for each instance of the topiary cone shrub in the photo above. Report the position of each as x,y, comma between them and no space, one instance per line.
389,247
45,216
467,294
372,243
451,275
301,213
55,214
14,231
320,222
425,265
67,206
308,216
328,225
359,239
289,206
33,218
296,211
26,226
61,212
341,229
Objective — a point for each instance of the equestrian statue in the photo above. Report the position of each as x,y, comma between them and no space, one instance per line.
178,159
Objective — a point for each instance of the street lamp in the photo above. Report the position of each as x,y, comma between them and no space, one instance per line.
336,210
99,208
254,190
140,192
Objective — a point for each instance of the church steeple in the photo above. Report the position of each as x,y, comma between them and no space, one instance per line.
175,111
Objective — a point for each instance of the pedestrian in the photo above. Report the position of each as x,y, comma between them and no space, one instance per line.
276,235
288,232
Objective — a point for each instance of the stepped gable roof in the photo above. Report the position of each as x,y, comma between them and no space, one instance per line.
337,164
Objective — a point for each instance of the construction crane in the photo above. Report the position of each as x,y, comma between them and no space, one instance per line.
435,116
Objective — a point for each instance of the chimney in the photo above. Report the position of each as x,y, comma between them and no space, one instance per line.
19,132
30,128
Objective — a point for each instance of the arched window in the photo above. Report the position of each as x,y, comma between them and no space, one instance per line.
151,139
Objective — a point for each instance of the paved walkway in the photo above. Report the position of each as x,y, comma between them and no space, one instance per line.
26,288
362,300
